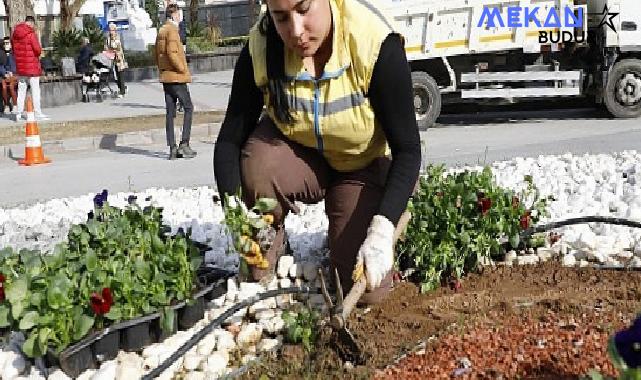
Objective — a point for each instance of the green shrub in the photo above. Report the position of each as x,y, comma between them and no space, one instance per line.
66,43
459,218
137,59
199,45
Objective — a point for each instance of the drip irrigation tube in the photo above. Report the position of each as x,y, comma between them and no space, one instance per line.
219,320
584,219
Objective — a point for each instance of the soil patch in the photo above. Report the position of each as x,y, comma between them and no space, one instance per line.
516,304
85,128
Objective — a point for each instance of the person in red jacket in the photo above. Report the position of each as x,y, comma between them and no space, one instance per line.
27,50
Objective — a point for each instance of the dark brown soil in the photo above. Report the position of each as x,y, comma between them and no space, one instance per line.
529,297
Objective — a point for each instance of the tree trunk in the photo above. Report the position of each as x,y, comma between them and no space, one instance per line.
193,12
17,11
68,11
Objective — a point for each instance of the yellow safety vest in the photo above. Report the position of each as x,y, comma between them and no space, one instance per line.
332,113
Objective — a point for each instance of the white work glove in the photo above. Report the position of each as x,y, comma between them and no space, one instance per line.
376,253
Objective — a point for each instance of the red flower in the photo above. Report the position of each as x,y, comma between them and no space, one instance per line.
1,293
525,220
484,205
101,304
515,202
2,278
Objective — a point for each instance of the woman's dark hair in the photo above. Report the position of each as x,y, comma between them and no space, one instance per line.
275,61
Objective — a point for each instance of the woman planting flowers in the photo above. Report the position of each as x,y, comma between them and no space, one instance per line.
338,95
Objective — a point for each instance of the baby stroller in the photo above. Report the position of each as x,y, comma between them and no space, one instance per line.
98,80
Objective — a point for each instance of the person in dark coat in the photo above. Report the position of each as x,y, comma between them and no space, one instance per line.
7,75
84,56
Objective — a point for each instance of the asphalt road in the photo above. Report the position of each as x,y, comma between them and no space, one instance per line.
458,139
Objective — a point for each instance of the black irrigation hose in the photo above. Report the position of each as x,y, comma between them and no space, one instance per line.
306,289
584,219
219,320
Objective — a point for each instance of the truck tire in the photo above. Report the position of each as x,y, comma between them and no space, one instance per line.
427,99
622,93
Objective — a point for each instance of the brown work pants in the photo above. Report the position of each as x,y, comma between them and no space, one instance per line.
275,167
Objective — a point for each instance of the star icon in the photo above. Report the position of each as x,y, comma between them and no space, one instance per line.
606,18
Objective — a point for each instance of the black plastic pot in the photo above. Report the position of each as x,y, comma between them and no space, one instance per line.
158,334
189,315
136,337
77,362
106,348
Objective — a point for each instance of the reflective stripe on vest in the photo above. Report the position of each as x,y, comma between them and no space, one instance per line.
332,112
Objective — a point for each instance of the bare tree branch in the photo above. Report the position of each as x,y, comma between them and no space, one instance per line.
68,11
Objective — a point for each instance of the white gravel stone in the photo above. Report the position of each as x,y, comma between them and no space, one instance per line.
107,371
14,365
192,361
527,260
635,262
215,365
296,271
568,260
87,375
207,345
225,341
284,263
195,375
130,365
268,345
58,375
249,335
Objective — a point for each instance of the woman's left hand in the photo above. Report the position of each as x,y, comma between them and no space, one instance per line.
376,255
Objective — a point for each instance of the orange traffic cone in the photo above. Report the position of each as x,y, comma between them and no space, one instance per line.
33,154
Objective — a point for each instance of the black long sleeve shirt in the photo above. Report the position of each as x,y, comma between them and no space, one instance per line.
391,98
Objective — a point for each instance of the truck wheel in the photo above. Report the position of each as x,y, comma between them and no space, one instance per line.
623,91
427,99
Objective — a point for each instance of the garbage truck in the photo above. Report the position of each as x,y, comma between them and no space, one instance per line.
505,51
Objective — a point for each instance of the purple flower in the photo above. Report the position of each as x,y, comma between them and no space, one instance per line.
90,215
98,200
132,199
104,194
628,344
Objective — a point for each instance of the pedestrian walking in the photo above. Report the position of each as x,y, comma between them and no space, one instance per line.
174,76
113,46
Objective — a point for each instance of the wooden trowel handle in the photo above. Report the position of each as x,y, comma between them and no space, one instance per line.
350,301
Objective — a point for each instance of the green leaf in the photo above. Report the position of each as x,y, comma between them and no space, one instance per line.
264,205
82,326
29,346
29,320
58,292
17,291
515,240
167,317
114,314
17,308
91,260
4,316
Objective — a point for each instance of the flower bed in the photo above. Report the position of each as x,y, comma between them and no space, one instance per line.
579,185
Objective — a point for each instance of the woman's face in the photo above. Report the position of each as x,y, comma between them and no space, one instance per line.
7,46
303,25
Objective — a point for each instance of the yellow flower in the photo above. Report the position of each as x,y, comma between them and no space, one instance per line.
268,218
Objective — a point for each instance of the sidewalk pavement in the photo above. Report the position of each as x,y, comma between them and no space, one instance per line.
209,91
